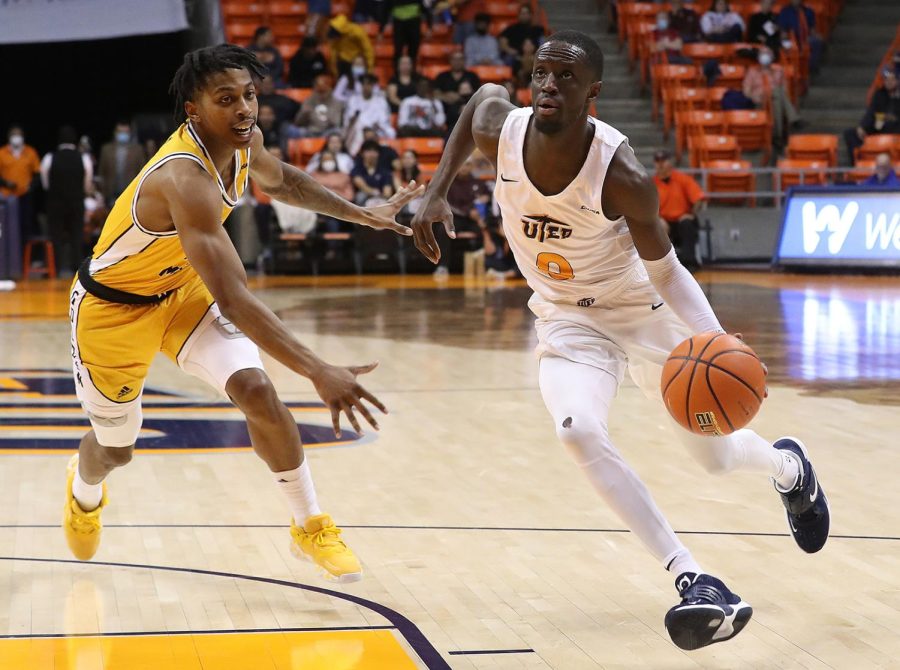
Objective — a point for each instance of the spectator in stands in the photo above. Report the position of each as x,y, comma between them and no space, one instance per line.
328,175
351,82
373,184
764,84
403,84
85,147
408,171
421,115
66,175
349,40
334,144
455,86
513,37
19,165
897,62
482,48
120,162
685,22
317,19
469,198
800,21
525,65
285,109
763,28
680,202
388,159
720,24
321,113
882,114
367,109
268,124
307,64
499,262
465,12
365,11
667,42
290,219
263,45
885,176
407,16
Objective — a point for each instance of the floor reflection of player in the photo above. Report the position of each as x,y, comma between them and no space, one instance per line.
582,218
164,276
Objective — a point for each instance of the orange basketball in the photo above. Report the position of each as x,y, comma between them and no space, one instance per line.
713,384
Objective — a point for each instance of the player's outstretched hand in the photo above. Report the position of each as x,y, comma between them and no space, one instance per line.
382,216
433,210
341,392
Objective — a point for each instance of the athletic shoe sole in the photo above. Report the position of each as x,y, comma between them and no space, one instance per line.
695,626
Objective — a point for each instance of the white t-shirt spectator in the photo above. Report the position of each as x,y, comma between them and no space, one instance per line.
423,113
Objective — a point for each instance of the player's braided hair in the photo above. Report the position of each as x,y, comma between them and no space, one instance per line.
200,64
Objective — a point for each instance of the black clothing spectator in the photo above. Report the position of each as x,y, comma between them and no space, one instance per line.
307,64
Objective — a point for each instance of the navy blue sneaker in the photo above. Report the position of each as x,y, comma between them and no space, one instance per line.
806,505
708,612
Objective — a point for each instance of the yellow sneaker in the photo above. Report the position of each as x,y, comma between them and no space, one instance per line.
319,541
82,528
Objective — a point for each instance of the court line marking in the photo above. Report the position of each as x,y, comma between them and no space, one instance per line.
426,652
474,652
227,631
523,529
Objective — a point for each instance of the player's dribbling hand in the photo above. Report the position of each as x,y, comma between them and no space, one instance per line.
381,217
765,368
433,210
341,392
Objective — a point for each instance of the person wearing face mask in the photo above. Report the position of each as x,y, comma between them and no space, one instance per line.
482,48
667,42
348,40
120,161
350,83
765,83
334,144
329,176
19,165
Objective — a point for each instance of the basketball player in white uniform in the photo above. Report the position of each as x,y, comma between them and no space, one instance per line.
582,218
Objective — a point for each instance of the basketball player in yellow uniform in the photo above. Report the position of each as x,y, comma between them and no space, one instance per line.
164,276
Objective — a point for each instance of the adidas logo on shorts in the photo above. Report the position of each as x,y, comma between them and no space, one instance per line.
124,391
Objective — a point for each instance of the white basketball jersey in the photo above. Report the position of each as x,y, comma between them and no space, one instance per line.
568,251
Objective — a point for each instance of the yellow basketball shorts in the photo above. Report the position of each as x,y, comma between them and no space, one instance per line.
113,346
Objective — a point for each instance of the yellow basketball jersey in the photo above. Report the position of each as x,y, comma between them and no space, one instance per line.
128,257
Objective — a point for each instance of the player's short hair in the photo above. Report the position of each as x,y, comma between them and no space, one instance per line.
201,64
584,42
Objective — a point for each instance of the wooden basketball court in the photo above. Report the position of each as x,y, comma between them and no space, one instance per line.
483,545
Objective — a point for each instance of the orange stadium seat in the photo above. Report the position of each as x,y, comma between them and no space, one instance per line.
296,94
436,54
292,31
502,9
300,150
240,33
878,144
799,172
429,149
714,96
731,177
384,55
634,12
666,77
696,122
814,147
523,95
702,52
705,148
861,171
732,76
243,12
496,74
683,99
753,129
432,71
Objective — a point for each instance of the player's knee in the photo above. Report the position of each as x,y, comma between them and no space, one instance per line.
587,439
252,391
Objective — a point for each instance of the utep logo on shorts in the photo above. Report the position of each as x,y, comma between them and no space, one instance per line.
707,422
541,227
40,412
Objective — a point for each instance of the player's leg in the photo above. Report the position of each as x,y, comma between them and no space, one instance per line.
110,395
228,361
786,462
578,397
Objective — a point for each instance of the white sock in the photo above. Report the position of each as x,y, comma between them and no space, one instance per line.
87,495
787,479
297,487
682,561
